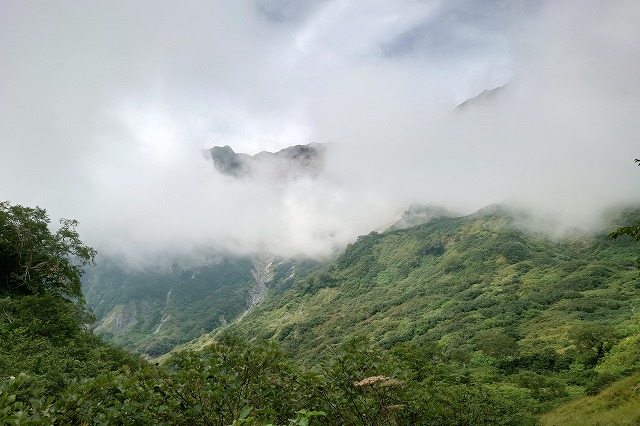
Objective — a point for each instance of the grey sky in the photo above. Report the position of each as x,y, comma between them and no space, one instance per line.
105,107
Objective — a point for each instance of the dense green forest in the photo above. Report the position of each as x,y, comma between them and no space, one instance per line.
455,321
152,310
544,318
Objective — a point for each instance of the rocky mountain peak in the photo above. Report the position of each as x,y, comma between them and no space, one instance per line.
291,162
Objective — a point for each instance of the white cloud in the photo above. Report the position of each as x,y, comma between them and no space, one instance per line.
105,108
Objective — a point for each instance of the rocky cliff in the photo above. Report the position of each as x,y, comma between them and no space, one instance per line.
291,162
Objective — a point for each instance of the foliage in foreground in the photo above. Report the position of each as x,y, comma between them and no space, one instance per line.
450,372
34,260
233,383
42,313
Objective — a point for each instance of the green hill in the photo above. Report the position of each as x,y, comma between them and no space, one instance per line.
457,321
521,311
538,319
152,311
617,405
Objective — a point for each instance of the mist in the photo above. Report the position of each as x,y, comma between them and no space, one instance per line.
105,110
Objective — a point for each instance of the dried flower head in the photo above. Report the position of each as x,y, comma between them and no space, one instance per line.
382,380
395,407
371,380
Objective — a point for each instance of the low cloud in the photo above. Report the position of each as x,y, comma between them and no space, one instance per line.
105,111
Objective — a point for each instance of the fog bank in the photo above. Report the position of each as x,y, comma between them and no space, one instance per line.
105,110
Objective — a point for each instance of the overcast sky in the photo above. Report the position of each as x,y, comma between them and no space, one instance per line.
105,108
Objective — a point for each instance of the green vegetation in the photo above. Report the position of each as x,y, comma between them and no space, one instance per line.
617,405
631,231
456,321
233,383
152,311
42,315
516,311
36,261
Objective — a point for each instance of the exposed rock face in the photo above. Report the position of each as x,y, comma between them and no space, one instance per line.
484,97
230,163
262,274
291,162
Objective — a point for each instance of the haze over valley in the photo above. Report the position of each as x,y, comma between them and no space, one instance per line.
319,212
106,109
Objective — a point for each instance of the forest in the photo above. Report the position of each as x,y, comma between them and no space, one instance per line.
455,321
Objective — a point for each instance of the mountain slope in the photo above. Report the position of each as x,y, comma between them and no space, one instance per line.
151,312
617,405
450,278
486,97
517,310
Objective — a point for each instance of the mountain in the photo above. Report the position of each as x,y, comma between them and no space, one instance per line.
418,214
439,320
290,162
537,319
486,96
520,311
150,312
448,279
615,405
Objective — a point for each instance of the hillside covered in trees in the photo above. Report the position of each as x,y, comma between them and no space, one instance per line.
457,320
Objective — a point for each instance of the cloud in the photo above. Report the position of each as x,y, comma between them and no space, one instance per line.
105,109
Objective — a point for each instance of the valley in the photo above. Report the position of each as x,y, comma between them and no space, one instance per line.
540,318
320,213
440,319
152,311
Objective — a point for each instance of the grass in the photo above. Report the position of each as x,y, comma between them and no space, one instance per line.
616,405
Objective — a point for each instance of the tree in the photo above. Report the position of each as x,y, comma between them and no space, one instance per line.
632,231
34,260
42,311
592,341
496,343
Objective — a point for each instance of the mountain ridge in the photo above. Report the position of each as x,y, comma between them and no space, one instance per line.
288,163
479,290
